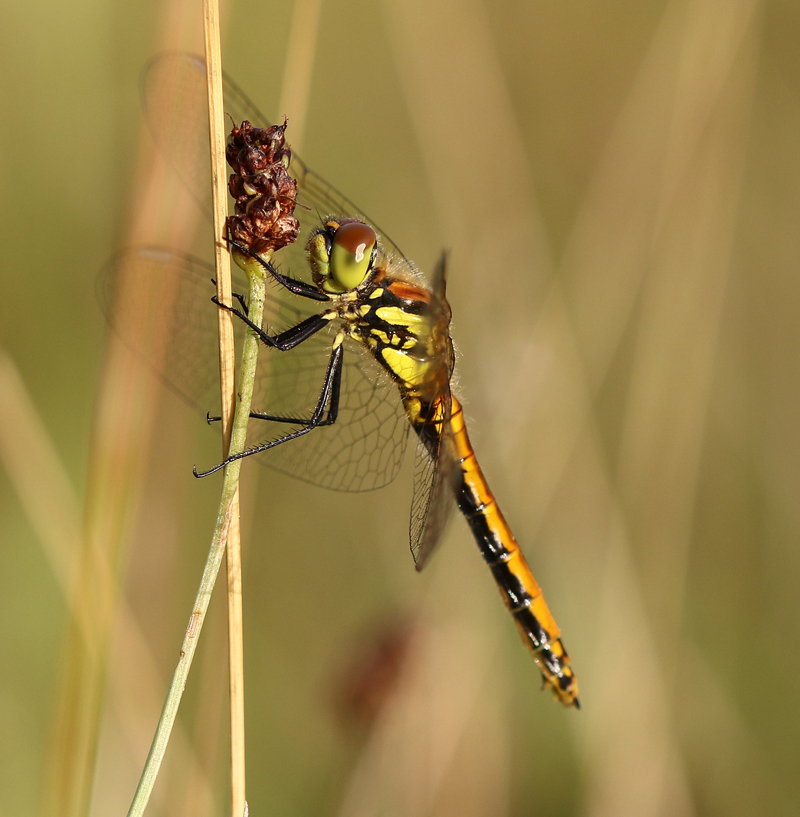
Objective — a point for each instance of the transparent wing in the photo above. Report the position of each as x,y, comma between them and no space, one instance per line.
361,451
350,453
434,464
434,474
174,102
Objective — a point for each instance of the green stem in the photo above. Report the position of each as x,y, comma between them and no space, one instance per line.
257,278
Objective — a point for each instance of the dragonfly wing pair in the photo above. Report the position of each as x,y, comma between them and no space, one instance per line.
362,451
365,448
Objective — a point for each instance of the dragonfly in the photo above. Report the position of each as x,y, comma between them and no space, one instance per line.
358,357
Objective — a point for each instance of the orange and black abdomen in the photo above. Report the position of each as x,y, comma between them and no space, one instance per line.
516,582
407,331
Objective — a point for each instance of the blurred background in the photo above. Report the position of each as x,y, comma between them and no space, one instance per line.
618,183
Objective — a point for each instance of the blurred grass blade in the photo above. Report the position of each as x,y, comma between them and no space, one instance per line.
123,422
36,472
299,67
440,738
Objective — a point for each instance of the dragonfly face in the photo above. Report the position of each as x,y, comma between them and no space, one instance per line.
341,254
377,335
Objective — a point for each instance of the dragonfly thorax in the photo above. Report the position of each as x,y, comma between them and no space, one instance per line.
405,329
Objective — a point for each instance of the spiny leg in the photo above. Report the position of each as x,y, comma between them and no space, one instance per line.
329,395
294,286
333,409
283,341
239,297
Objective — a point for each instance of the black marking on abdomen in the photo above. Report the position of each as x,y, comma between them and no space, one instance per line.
492,547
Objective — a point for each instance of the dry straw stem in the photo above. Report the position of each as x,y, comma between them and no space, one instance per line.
227,362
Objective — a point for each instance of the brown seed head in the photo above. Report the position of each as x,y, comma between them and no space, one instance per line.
264,192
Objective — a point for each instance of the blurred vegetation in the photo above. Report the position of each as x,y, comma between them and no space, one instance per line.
618,183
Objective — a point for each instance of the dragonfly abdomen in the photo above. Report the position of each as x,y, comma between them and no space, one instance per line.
517,584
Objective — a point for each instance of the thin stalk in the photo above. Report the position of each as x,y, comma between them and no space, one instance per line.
230,483
219,193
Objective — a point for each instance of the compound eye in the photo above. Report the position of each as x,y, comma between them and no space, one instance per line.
351,254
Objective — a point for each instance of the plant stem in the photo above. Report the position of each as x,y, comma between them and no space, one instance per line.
230,483
217,124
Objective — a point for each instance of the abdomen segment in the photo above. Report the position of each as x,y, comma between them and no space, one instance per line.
516,582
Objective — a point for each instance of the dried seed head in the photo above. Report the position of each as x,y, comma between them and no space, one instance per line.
264,192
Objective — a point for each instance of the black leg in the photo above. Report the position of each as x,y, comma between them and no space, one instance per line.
273,418
333,413
239,297
300,288
329,394
284,340
333,407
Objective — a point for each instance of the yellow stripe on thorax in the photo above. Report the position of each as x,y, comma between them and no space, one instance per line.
401,317
410,370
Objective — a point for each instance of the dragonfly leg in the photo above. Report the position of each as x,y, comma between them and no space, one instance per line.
284,340
257,415
328,396
239,297
333,412
273,418
333,408
300,288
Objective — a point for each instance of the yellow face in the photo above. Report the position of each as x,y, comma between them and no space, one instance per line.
341,255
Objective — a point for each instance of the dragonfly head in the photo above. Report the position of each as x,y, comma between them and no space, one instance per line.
342,254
